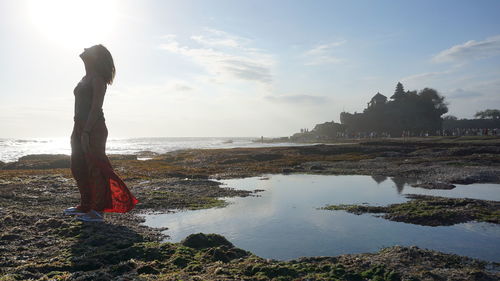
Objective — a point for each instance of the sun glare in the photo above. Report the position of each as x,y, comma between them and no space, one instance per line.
73,24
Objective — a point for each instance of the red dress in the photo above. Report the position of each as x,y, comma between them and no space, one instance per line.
101,189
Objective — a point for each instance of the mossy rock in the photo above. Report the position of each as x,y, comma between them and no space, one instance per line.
10,237
50,223
123,267
122,157
40,161
147,269
201,240
266,156
431,210
44,157
86,264
273,271
149,251
224,253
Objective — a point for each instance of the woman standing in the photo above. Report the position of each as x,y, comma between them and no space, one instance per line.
101,190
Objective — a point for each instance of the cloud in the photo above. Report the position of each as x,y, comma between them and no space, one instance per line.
181,87
220,38
225,55
463,94
173,89
322,54
249,70
168,36
470,50
297,99
426,76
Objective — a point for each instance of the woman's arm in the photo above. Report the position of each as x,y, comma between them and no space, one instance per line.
98,89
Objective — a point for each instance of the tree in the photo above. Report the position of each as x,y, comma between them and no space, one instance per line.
399,93
488,114
327,129
413,111
450,117
432,96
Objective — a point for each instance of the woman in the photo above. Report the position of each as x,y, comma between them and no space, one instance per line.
101,190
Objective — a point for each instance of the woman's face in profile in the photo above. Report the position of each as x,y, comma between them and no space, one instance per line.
89,54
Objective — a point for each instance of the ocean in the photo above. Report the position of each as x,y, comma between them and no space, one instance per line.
11,149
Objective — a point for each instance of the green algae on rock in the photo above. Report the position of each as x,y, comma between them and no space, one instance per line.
431,210
37,242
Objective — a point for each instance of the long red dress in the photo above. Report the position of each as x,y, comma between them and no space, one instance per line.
101,189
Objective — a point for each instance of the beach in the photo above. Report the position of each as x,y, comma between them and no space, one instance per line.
38,242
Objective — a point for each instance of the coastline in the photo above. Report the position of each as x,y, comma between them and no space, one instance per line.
37,242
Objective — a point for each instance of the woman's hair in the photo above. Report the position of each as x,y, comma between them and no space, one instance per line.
104,64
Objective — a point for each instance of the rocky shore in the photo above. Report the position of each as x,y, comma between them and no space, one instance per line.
37,242
431,210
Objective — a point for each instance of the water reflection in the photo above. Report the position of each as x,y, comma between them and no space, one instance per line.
401,182
284,222
379,179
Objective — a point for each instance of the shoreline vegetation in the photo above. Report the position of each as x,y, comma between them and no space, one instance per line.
38,242
405,114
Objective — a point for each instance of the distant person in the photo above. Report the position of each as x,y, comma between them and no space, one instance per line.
101,190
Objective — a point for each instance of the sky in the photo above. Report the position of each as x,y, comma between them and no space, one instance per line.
226,68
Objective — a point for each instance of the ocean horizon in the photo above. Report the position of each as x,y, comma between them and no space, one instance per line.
11,149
